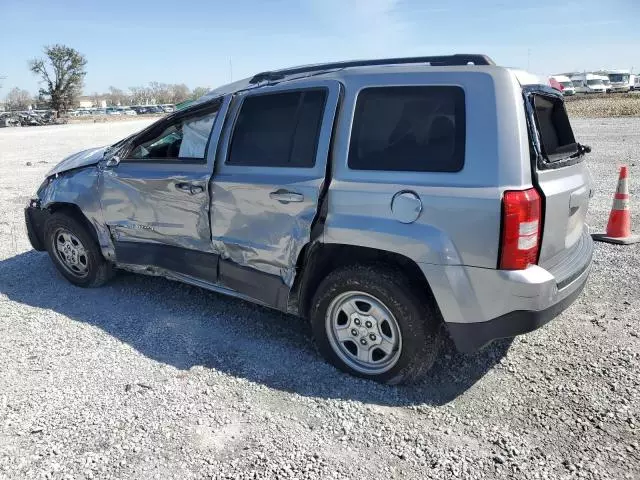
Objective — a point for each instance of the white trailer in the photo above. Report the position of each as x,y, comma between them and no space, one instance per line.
588,83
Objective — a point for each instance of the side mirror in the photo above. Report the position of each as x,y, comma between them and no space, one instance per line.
113,161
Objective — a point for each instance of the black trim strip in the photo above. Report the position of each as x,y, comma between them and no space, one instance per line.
263,287
269,289
198,264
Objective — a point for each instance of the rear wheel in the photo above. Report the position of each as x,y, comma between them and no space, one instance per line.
369,321
75,253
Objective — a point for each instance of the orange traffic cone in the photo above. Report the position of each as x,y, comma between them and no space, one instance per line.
619,226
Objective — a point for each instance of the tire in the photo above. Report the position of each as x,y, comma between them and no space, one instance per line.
339,308
89,269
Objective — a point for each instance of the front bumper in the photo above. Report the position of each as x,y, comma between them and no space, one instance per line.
482,304
34,218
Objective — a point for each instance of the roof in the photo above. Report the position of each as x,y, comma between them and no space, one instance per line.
341,69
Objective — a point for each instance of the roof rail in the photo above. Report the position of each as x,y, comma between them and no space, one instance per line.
442,60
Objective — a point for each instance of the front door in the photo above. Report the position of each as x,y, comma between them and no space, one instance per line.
156,200
269,177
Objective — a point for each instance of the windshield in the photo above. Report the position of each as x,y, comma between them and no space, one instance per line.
618,77
566,84
594,82
606,82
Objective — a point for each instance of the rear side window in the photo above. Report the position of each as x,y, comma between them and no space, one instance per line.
419,129
555,130
278,130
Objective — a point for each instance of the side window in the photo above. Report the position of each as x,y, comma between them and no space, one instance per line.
418,129
183,139
278,129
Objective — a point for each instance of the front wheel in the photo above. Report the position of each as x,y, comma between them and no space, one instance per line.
369,321
75,253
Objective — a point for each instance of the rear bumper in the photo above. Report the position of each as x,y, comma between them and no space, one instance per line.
470,337
34,218
481,304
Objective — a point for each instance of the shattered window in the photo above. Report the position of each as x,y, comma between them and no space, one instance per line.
185,138
555,130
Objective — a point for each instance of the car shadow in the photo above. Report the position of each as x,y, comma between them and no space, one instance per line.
186,326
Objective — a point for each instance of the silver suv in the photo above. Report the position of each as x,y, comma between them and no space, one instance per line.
389,202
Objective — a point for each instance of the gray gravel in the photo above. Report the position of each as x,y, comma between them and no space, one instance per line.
147,378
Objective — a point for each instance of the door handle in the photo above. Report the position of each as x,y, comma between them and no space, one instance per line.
286,196
189,188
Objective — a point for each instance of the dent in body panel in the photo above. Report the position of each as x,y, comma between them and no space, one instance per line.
253,230
145,205
82,188
250,226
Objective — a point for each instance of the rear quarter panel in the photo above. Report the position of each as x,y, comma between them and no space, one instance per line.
460,219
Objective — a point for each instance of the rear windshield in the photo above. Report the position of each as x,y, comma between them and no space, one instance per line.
555,131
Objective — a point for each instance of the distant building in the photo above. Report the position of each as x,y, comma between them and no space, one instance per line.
92,102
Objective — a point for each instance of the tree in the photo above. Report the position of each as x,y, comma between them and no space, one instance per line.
18,99
140,95
179,93
62,72
116,97
96,99
199,92
160,92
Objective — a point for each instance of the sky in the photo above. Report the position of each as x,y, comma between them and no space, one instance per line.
207,43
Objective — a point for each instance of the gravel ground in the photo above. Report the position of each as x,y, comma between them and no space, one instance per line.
147,378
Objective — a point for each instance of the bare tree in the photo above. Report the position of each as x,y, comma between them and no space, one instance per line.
140,95
179,93
160,92
117,97
18,99
96,98
199,92
62,72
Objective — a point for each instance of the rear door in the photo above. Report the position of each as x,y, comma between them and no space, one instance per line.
561,175
269,177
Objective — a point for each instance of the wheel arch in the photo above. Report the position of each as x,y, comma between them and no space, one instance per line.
318,259
74,211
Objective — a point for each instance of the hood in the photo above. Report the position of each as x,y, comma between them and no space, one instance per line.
81,159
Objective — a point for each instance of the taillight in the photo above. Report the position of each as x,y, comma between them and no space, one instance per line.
521,225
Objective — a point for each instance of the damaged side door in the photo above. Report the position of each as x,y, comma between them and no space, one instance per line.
155,193
270,174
